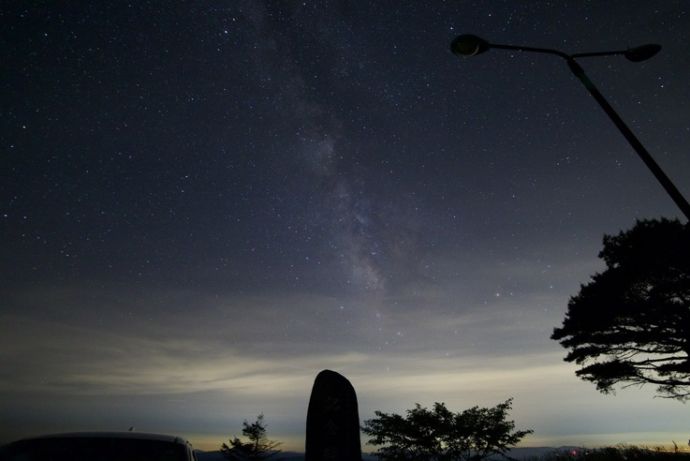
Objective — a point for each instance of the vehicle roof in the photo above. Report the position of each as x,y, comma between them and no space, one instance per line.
117,435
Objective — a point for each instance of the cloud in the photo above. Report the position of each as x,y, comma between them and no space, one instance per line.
56,358
248,344
55,362
290,324
188,383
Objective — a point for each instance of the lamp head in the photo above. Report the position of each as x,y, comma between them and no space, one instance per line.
642,53
468,45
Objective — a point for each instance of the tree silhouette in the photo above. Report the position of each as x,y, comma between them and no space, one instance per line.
256,449
441,435
631,324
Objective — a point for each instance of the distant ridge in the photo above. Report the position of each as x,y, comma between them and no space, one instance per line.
282,456
517,453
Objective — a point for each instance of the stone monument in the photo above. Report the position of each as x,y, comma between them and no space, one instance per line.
332,420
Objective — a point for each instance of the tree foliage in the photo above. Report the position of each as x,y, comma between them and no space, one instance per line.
258,447
438,434
631,324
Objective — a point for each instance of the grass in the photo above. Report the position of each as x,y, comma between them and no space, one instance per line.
620,453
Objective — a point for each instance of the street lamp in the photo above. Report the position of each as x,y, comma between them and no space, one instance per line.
471,45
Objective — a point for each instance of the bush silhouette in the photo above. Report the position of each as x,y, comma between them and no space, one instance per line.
441,435
256,449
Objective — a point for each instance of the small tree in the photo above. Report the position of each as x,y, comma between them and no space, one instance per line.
631,323
256,449
441,435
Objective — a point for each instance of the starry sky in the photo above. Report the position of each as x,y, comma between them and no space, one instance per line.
203,204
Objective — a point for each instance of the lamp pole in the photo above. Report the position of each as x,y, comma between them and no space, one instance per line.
470,45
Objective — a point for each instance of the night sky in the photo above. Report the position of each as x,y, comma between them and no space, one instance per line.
204,204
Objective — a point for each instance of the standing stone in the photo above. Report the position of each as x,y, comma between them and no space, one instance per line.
332,420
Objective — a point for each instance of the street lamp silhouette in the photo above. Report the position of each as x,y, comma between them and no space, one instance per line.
471,45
